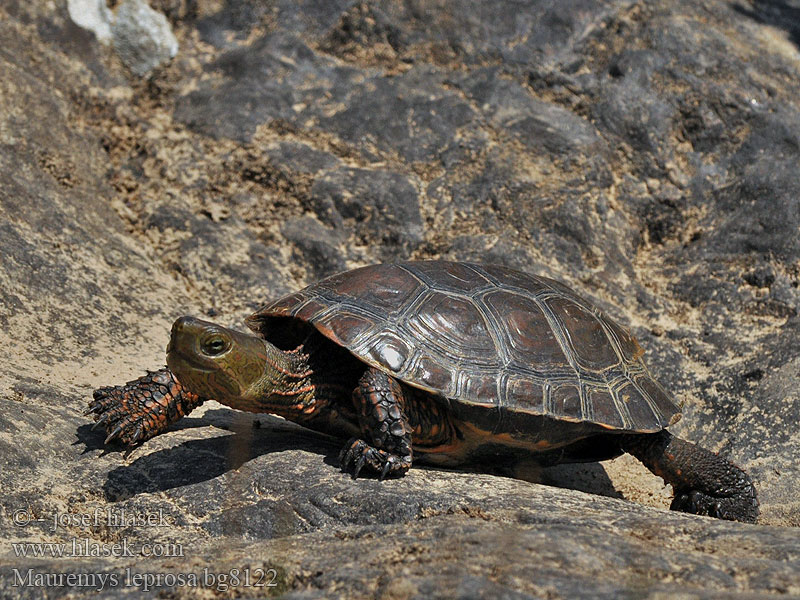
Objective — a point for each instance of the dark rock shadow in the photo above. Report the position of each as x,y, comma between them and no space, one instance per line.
588,477
94,439
778,13
585,477
247,438
201,460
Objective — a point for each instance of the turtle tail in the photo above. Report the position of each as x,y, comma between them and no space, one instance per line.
704,482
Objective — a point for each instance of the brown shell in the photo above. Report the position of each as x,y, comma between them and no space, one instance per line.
486,335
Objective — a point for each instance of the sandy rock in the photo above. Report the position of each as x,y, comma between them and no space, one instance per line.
644,153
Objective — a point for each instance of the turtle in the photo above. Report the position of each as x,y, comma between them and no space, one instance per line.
446,363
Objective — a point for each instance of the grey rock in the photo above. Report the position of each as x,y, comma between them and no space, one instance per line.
93,15
316,246
644,153
302,158
374,205
541,126
413,115
142,37
292,79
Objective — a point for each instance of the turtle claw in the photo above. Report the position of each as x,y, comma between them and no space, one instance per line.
360,454
119,429
696,503
93,408
731,508
101,420
359,465
115,409
347,454
137,435
387,466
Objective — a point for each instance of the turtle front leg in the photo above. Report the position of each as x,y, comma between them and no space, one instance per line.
704,482
141,409
380,401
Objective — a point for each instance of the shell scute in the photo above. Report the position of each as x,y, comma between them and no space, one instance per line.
387,295
387,348
527,333
349,327
432,375
453,325
604,409
566,403
585,335
486,337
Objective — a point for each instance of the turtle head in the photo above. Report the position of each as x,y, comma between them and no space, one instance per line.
215,362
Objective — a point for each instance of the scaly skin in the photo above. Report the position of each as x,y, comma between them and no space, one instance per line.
704,482
142,409
383,421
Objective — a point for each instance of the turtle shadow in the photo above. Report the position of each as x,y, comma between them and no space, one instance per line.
94,439
240,439
243,437
589,477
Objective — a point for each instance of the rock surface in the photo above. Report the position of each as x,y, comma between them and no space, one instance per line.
644,153
142,37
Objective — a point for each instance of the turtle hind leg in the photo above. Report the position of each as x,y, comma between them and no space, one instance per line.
141,409
379,400
704,482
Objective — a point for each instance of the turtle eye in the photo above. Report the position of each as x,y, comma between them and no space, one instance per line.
214,346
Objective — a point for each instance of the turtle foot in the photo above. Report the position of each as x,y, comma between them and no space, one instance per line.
141,409
359,453
704,482
740,507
